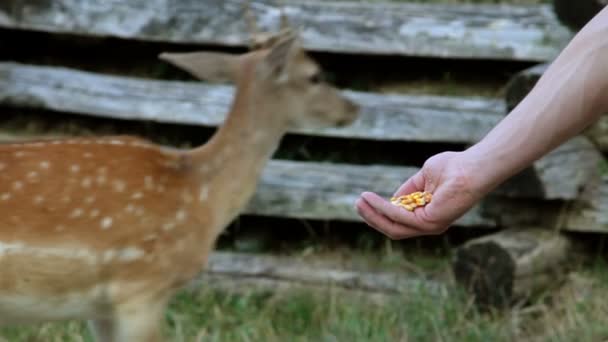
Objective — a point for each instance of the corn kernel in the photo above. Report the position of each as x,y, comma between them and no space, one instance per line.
413,200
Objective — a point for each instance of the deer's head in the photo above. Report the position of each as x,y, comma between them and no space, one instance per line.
280,76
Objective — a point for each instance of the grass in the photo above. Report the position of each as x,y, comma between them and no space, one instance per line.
573,312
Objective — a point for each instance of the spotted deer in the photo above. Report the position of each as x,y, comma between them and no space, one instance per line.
107,229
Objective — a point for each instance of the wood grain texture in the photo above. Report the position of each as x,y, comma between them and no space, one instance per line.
506,32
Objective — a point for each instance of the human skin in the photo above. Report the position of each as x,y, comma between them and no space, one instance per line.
570,96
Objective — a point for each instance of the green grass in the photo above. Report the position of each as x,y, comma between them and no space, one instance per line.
577,311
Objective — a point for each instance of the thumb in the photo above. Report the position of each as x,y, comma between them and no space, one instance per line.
415,183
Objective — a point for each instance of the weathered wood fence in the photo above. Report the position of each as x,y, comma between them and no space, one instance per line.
563,190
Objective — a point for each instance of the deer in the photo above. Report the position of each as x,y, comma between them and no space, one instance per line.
107,229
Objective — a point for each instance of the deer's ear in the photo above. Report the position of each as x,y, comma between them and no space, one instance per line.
276,63
208,66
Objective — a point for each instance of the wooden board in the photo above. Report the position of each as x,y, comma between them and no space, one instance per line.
559,175
530,33
383,117
245,266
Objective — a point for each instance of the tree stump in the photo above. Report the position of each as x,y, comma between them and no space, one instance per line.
575,14
512,266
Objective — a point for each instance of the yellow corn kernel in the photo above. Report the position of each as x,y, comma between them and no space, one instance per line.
413,200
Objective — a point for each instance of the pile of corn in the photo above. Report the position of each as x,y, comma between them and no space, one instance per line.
413,200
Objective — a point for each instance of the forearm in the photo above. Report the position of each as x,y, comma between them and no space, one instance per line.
571,95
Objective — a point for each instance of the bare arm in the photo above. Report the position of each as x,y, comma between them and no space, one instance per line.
571,95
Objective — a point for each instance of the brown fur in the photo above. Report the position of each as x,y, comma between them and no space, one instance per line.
107,229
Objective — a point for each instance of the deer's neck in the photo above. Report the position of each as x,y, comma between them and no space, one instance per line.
230,164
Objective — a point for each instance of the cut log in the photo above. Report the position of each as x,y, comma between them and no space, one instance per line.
576,14
274,270
512,266
559,175
436,30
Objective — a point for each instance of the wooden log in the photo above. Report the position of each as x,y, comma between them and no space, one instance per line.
559,175
512,265
383,117
437,30
576,14
278,270
590,215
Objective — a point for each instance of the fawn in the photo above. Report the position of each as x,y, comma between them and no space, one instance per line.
107,229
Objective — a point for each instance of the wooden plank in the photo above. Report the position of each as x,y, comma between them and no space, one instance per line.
507,32
244,267
383,117
559,175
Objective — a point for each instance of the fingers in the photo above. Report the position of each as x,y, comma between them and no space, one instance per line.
413,184
382,224
394,213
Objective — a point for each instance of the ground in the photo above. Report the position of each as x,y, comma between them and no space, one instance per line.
571,312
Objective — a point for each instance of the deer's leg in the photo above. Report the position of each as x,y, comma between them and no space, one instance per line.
102,329
133,321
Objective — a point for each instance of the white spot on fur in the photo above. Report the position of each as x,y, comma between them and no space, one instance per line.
38,199
101,179
106,223
76,213
89,199
32,176
19,154
86,182
118,185
130,208
116,142
5,196
124,255
17,185
75,168
148,183
45,165
137,195
130,254
88,155
150,237
204,193
181,215
168,226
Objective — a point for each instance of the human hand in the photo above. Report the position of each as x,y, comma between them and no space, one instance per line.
448,177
